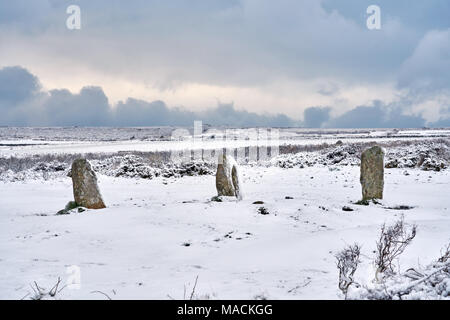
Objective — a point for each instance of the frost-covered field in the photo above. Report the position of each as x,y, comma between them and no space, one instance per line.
161,230
33,141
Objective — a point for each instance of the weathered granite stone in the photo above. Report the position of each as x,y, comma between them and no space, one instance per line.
372,173
227,177
85,188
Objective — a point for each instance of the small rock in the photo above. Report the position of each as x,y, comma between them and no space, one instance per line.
401,207
69,206
217,199
345,208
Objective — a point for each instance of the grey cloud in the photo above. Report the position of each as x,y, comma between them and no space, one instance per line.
415,14
27,106
328,89
315,117
89,107
24,14
378,115
427,68
442,123
16,85
236,44
135,112
24,103
226,114
239,42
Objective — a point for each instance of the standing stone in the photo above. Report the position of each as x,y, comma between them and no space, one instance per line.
85,188
227,177
372,173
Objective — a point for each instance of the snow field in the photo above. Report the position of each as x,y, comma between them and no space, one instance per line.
157,236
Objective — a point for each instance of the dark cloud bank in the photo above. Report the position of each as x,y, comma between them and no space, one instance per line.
24,103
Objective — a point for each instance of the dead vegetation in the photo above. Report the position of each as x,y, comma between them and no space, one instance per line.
347,263
191,294
392,242
424,154
430,282
40,293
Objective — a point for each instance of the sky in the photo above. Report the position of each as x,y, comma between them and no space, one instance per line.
310,63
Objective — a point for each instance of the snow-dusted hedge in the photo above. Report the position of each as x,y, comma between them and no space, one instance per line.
425,155
145,166
430,282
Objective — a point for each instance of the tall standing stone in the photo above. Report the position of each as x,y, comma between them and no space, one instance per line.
372,173
227,177
85,187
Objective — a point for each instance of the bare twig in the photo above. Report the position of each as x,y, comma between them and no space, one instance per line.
98,291
40,292
62,288
392,242
54,290
347,263
408,289
193,289
300,286
413,274
25,296
39,289
445,255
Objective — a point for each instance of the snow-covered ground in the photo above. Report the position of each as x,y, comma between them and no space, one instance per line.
23,142
157,235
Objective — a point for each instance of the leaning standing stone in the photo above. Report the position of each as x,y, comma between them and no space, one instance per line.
372,173
227,178
85,188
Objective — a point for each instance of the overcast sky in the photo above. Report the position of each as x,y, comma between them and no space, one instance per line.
237,62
